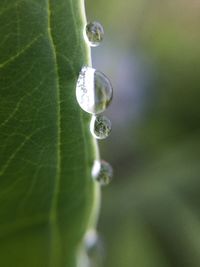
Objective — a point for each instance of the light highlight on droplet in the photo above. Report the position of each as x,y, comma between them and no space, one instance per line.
94,91
91,239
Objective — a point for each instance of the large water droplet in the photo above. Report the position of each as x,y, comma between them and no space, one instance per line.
100,126
94,91
102,172
93,33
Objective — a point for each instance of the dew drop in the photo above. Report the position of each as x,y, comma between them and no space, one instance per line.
93,33
100,126
94,91
91,239
95,249
102,172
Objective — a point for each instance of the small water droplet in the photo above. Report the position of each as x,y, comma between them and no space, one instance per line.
94,91
91,238
102,172
93,33
94,248
100,126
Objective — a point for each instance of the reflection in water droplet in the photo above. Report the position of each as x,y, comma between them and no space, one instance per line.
91,239
100,127
93,90
93,33
102,172
94,248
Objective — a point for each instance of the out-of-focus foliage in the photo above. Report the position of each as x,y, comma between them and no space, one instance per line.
150,214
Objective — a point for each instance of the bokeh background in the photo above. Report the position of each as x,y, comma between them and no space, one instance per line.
150,214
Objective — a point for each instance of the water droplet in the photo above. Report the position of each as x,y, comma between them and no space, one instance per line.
93,33
102,172
94,248
91,239
93,90
100,126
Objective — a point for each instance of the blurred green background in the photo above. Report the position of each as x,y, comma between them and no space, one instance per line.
150,214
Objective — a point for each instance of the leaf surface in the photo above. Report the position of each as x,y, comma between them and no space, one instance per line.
46,150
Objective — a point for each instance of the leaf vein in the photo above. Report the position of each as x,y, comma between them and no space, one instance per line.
17,150
17,107
21,52
54,200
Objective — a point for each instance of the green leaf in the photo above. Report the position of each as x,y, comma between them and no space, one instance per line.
46,150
